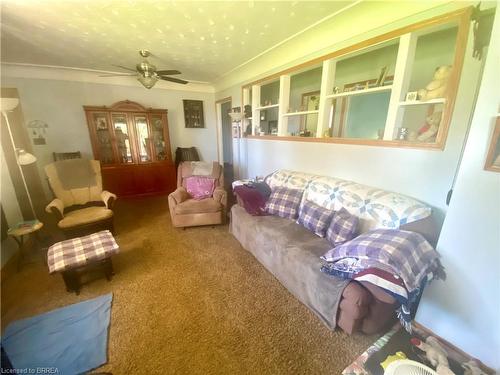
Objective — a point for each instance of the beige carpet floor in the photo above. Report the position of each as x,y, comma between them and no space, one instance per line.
190,302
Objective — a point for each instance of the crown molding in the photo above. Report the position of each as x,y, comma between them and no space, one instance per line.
61,73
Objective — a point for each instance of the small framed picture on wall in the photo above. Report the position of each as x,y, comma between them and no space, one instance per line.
193,113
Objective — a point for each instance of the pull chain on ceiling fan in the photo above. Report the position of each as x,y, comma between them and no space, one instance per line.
147,73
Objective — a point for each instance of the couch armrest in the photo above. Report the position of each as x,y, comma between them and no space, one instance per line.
108,199
179,195
220,195
56,207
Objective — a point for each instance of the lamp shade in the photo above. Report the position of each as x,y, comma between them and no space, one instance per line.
8,104
25,158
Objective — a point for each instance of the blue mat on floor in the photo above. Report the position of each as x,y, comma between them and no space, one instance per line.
70,340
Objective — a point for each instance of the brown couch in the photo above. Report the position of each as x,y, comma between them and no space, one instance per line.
188,212
292,253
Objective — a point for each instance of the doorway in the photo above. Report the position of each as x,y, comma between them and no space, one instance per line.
225,138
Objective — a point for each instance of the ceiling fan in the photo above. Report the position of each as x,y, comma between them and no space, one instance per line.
147,73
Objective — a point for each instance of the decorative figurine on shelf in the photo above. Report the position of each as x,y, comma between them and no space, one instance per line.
336,90
437,87
403,134
430,128
248,110
411,96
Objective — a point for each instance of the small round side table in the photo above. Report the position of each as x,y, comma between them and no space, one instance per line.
18,234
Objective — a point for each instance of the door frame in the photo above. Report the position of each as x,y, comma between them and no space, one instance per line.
218,122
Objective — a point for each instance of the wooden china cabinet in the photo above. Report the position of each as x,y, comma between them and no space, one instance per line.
133,144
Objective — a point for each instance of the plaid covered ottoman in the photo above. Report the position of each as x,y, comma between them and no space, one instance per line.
76,256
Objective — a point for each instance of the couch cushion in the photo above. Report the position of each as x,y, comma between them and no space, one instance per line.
84,216
289,179
192,206
375,208
291,253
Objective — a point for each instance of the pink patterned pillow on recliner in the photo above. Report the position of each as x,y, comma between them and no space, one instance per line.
200,187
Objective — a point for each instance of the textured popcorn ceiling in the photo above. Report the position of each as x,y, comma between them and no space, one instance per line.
202,39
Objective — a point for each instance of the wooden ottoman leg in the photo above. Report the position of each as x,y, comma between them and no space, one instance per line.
71,281
108,269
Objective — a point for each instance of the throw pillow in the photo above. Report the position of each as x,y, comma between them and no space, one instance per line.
284,202
342,228
200,187
314,217
251,199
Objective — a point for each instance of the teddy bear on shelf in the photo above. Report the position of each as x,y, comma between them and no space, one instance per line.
435,353
430,128
437,87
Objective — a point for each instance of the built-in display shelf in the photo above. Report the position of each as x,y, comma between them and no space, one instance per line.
360,92
300,113
404,59
423,102
268,107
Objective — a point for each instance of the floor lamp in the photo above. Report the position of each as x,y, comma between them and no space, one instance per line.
22,157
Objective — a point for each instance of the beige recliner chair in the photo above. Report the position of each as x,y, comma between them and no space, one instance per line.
188,212
81,206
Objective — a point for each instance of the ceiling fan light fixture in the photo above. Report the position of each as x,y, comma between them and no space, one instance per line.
147,73
147,81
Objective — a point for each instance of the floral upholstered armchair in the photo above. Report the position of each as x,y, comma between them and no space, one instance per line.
188,211
81,206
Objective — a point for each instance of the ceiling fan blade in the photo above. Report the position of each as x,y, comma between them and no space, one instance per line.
167,72
124,67
174,80
118,75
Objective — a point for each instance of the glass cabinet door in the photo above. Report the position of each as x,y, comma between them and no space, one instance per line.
158,141
122,138
103,138
143,138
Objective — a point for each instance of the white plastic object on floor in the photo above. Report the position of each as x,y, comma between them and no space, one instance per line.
408,367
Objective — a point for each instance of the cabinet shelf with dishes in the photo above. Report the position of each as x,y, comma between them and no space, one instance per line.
387,91
132,143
